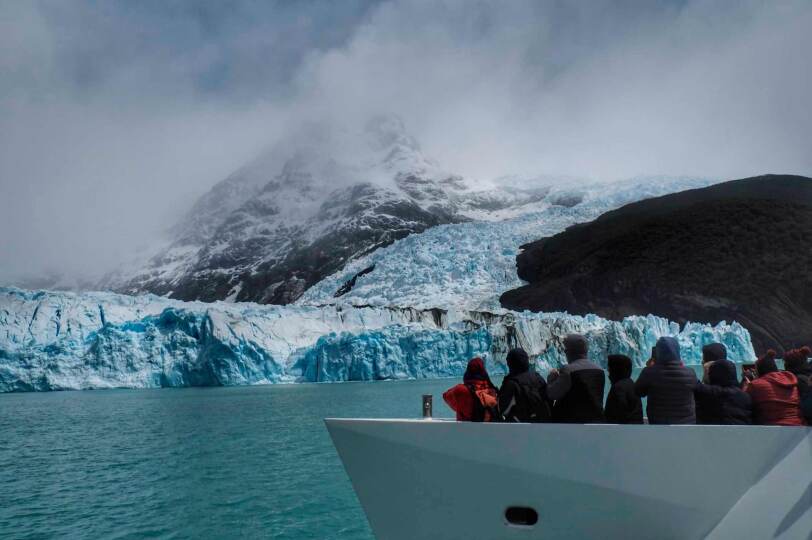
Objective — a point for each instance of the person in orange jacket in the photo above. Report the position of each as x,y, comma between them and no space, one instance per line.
475,399
776,400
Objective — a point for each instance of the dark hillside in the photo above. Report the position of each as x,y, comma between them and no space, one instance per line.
741,250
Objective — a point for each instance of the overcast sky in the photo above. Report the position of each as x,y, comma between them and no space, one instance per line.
115,115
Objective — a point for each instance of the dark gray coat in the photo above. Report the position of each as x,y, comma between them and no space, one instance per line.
721,401
578,393
669,386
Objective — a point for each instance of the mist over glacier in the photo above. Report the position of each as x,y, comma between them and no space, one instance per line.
109,134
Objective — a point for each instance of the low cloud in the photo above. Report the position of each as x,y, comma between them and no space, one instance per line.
115,117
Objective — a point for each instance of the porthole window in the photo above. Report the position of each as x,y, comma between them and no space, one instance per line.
522,516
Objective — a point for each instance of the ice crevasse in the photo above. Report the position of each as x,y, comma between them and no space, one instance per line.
61,340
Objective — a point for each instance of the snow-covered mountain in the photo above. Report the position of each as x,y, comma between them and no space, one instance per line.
56,341
296,215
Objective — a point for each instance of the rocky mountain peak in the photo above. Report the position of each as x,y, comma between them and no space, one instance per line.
302,210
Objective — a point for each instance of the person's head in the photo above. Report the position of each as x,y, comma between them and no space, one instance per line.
476,371
713,352
517,361
620,367
575,347
796,359
766,364
666,351
722,373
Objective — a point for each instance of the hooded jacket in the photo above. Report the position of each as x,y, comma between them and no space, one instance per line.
710,353
804,376
776,400
669,386
721,401
578,390
622,404
796,362
514,405
704,401
476,385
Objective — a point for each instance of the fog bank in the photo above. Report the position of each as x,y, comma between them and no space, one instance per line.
115,117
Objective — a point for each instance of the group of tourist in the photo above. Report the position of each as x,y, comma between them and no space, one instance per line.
675,395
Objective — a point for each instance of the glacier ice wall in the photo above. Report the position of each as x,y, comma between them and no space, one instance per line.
55,341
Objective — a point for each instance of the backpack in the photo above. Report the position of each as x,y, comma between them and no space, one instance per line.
485,408
537,408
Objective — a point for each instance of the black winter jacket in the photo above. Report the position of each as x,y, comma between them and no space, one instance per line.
804,376
578,393
722,402
669,386
513,404
622,405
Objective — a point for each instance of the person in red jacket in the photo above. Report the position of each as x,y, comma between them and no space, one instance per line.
475,399
776,400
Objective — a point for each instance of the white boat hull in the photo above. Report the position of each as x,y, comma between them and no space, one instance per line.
419,479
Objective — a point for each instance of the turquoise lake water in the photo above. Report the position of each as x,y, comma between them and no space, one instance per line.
253,462
249,462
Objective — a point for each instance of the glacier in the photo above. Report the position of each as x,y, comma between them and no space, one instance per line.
64,340
468,265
